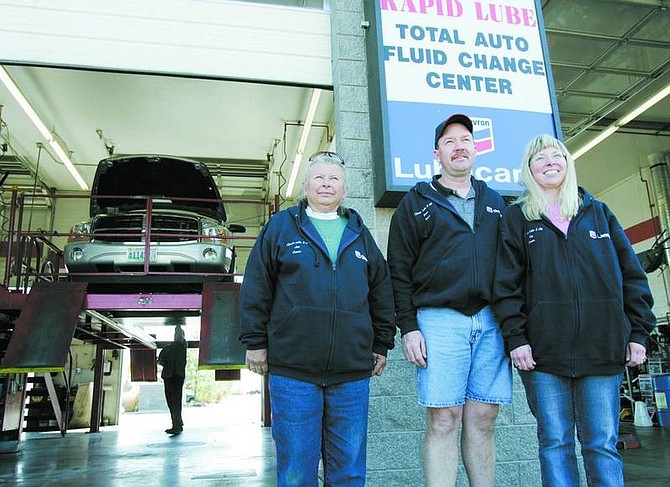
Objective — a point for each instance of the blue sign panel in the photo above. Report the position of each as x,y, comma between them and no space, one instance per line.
430,59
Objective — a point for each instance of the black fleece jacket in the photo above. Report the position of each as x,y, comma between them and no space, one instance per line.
319,320
436,259
577,300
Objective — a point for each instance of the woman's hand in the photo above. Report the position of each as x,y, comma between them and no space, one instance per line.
257,361
636,354
380,363
522,358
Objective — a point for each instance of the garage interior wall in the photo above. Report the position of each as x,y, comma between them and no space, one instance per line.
633,202
83,363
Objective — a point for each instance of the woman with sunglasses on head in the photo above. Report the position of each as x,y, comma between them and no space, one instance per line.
575,309
317,316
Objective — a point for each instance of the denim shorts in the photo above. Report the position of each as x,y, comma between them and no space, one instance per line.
466,359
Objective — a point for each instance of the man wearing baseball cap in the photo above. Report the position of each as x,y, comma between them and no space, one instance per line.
442,254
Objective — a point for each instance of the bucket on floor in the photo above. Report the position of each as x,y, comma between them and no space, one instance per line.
642,417
661,392
663,416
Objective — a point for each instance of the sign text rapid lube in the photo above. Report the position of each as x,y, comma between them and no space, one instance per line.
439,57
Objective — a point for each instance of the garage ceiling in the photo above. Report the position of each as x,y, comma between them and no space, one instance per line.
607,56
245,132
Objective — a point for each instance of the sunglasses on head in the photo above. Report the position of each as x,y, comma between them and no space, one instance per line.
327,154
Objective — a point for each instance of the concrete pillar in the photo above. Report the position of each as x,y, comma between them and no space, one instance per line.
397,422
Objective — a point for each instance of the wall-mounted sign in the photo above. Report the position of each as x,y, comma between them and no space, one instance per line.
430,59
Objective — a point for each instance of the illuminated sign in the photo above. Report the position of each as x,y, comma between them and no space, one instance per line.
430,59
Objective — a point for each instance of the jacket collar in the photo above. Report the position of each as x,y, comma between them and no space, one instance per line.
354,220
424,188
585,196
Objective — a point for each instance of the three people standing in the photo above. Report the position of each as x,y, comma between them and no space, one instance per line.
556,272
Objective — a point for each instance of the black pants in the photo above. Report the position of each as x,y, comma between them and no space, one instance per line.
173,396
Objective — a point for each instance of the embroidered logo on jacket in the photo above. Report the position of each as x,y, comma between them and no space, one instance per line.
493,210
595,235
296,246
360,256
530,234
425,212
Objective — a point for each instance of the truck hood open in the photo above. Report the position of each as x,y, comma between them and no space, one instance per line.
165,179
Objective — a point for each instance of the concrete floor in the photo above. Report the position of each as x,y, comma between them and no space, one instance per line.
222,445
649,465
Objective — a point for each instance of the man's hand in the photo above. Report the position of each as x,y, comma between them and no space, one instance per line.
257,361
414,348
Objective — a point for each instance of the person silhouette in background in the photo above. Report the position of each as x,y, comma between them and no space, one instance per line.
173,360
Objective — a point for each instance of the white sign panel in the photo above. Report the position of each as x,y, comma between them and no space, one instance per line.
484,59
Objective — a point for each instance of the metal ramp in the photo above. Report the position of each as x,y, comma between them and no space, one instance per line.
42,335
44,330
220,348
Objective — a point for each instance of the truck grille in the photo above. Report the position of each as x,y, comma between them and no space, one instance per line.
175,228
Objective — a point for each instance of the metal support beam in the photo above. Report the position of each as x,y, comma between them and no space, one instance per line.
96,407
266,412
55,404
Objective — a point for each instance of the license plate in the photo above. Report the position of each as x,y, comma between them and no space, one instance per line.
136,254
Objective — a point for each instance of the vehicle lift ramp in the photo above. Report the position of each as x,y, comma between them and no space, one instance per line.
43,333
49,316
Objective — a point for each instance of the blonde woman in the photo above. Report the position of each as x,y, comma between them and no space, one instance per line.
575,309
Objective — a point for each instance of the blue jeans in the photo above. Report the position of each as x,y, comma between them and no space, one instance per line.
591,405
310,422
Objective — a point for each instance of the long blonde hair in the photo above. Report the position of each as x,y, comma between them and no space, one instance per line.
533,202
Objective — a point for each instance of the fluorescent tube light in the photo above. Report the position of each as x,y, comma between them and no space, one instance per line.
302,143
632,115
65,159
41,127
601,136
645,106
23,103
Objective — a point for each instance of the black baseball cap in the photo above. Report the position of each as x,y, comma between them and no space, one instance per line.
456,118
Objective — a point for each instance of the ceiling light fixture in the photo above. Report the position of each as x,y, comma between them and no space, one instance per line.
594,142
299,153
41,127
632,115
